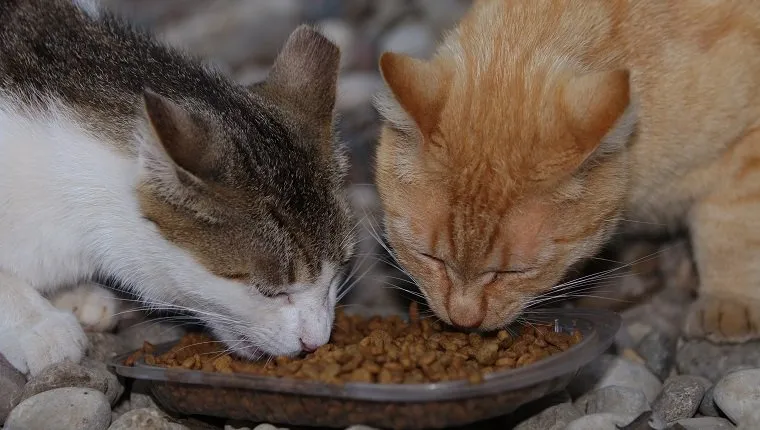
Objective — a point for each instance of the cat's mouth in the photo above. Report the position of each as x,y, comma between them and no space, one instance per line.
250,348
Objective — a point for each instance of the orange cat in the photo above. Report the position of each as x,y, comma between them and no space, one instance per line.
513,152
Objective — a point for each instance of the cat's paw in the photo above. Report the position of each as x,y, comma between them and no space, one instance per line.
51,338
723,319
95,307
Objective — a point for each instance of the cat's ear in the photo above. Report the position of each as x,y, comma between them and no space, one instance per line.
306,73
597,108
416,86
176,140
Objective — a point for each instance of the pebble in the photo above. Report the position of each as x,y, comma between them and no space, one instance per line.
62,409
750,421
680,398
632,333
104,346
612,370
68,374
115,387
342,35
236,32
145,419
613,399
708,407
136,400
228,426
600,422
156,333
556,417
267,427
659,352
738,394
443,14
703,358
706,423
357,89
412,38
648,420
11,383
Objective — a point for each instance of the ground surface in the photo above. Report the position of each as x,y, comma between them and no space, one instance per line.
649,368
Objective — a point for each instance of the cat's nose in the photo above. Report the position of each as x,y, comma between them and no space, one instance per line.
308,347
468,320
466,312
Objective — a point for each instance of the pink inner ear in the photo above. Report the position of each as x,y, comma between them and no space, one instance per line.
593,102
417,86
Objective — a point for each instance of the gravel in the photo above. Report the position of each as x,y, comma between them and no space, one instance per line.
738,395
62,409
68,374
613,399
610,370
556,417
680,398
242,38
700,357
145,419
11,384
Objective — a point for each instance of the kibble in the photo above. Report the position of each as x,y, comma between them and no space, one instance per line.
380,350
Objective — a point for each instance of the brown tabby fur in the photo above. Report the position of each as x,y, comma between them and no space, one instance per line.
540,124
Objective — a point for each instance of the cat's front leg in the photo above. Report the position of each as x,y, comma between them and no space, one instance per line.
726,238
33,333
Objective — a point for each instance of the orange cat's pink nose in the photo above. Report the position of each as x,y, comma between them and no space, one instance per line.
471,319
466,310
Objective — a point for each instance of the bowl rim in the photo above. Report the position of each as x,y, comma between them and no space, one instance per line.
598,327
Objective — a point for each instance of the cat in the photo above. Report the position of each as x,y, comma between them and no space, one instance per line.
96,308
538,125
124,158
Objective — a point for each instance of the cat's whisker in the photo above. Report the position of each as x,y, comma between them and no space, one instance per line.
571,285
348,288
541,299
633,221
378,237
404,280
395,287
598,275
596,288
353,271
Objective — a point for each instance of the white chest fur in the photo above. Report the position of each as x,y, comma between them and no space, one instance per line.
58,184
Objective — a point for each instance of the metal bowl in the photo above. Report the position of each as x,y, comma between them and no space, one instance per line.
397,406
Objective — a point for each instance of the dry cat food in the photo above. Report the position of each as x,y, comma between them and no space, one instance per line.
386,350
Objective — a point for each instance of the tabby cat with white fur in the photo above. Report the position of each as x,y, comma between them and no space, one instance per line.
121,157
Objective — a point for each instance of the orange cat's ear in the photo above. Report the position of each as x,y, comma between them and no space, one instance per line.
416,86
594,104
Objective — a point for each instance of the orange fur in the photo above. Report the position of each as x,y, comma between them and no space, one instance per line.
538,124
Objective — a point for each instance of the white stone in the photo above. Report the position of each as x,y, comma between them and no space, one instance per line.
413,38
356,90
738,395
706,423
62,409
600,422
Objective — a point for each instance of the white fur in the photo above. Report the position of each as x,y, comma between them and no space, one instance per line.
68,210
96,308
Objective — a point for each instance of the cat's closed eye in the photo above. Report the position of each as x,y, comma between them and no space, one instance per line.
245,278
239,277
487,275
